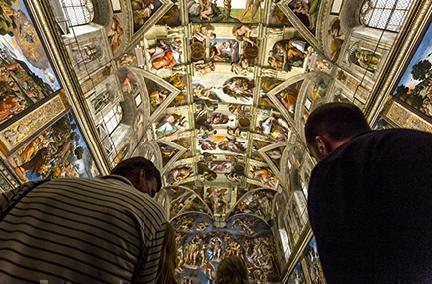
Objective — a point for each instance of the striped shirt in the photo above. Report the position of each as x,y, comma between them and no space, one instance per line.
68,230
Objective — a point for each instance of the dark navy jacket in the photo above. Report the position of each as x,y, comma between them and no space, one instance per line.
370,207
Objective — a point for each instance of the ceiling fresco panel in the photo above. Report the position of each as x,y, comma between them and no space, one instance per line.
272,125
142,10
157,94
168,152
275,155
307,12
173,122
219,199
277,17
221,142
221,168
180,172
258,202
258,142
334,38
59,151
261,174
116,35
188,201
315,94
288,97
225,11
27,76
173,17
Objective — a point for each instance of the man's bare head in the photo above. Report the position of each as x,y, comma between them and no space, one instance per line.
332,125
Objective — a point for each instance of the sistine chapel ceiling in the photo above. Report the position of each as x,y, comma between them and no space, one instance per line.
215,92
224,84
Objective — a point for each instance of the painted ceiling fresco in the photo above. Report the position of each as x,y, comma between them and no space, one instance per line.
214,92
224,83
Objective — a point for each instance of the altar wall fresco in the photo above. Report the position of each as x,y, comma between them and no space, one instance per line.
201,246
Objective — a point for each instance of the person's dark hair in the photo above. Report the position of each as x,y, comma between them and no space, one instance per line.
232,270
131,166
168,259
338,121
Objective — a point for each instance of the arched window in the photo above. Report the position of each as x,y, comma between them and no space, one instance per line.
107,128
384,14
78,12
112,119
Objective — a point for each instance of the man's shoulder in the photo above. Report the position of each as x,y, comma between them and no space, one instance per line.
373,149
88,182
393,132
373,142
112,185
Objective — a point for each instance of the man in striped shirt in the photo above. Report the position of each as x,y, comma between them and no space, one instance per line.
101,230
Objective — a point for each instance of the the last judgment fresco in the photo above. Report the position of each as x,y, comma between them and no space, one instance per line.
201,246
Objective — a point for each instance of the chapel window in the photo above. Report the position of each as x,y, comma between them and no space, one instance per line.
78,12
109,130
384,14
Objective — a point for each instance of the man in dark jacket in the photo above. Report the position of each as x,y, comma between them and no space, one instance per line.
370,198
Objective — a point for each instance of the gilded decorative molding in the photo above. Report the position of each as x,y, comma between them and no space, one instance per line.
404,117
21,130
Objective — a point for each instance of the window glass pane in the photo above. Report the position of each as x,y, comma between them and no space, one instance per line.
138,100
384,18
403,4
112,124
110,121
384,14
367,17
108,115
382,3
78,12
119,113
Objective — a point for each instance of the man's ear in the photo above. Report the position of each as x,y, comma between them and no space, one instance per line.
137,177
141,173
323,146
320,144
